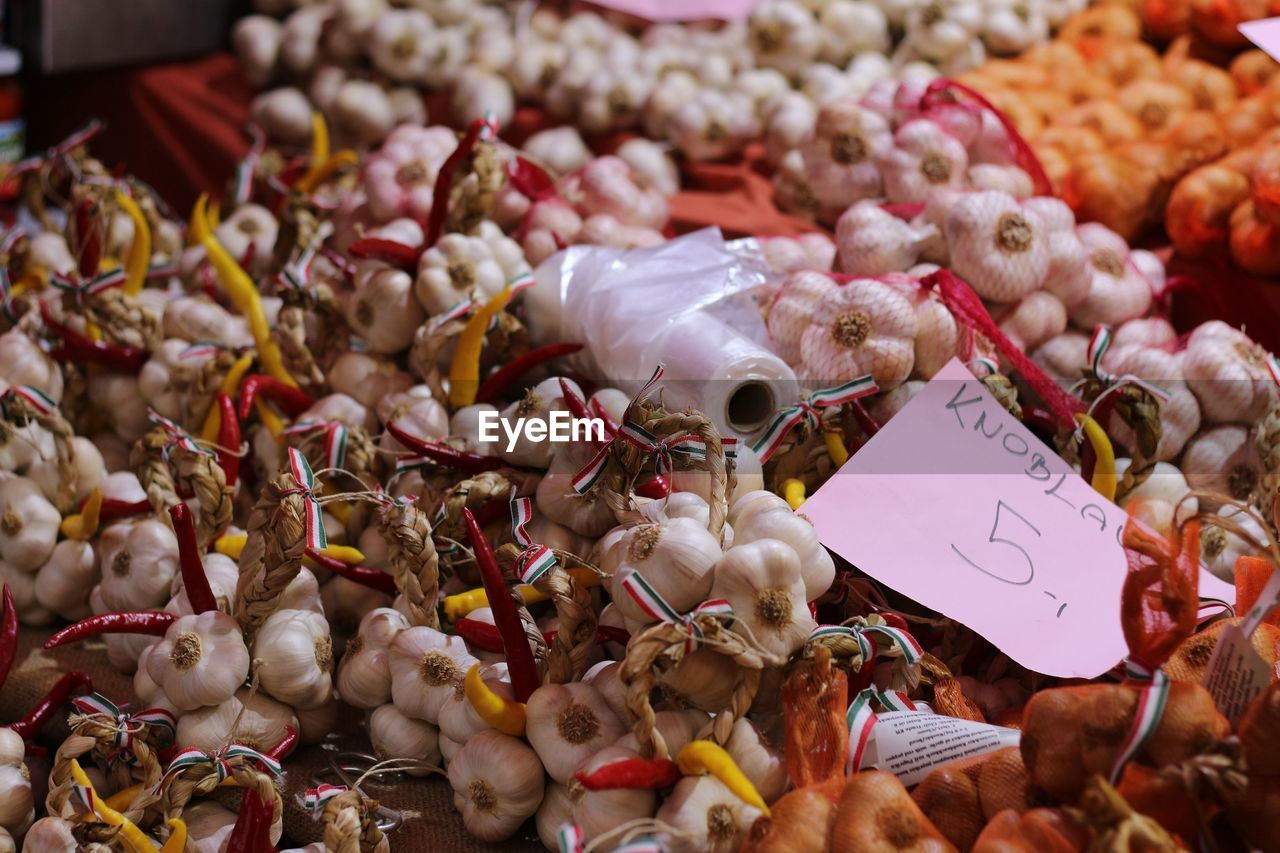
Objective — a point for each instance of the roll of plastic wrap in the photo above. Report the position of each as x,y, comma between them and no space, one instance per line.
688,305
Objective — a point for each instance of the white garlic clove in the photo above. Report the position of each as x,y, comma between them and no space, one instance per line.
393,735
497,784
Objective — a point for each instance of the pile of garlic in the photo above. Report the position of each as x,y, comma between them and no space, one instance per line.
708,89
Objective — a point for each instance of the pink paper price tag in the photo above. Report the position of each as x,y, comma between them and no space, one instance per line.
682,10
1265,34
958,506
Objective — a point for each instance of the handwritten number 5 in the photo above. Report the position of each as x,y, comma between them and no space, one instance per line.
995,539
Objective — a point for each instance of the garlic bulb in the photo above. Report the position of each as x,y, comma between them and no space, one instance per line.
1179,415
497,784
28,524
1117,291
465,423
139,560
747,469
764,515
456,269
588,515
1161,501
758,760
23,587
51,835
676,727
201,660
1220,548
651,165
568,723
712,125
63,584
865,326
402,44
840,156
222,572
711,816
924,158
208,823
561,149
250,229
383,310
364,674
1065,356
873,241
997,245
784,35
598,812
763,583
459,720
22,362
24,446
295,653
1222,459
426,670
394,735
117,397
555,811
362,112
1228,374
1033,319
605,678
17,803
258,720
676,557
536,406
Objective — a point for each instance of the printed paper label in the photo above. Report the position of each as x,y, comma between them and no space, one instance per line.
909,744
1236,673
955,504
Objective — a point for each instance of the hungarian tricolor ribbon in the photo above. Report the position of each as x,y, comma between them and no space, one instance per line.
81,290
301,471
863,634
861,719
1098,346
178,437
218,759
808,412
314,799
336,436
127,724
35,398
656,607
535,560
1154,696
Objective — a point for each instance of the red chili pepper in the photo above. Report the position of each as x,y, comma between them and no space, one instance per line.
387,251
482,635
530,179
79,349
863,417
8,635
657,488
252,830
292,401
653,774
611,426
363,575
502,378
524,673
604,634
113,508
194,579
893,620
285,746
228,438
153,622
90,248
444,184
461,460
72,682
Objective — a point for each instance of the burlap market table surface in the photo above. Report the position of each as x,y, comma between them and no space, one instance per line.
430,822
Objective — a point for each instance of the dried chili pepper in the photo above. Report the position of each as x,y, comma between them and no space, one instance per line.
286,745
90,254
524,673
252,830
194,579
653,774
292,401
460,460
657,488
387,251
578,408
153,622
114,508
502,378
8,635
228,438
611,426
72,682
865,422
363,575
482,635
444,182
79,349
604,634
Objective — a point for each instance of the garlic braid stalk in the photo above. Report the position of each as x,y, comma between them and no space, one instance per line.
349,826
569,655
160,478
272,557
412,560
197,386
201,779
19,412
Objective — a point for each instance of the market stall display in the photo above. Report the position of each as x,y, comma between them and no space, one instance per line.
450,447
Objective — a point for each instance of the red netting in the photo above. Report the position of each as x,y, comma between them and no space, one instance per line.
1159,601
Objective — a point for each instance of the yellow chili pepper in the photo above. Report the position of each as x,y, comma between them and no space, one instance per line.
84,524
269,418
834,440
699,757
505,715
242,291
139,257
230,386
793,492
315,177
464,371
177,841
319,146
1104,469
132,839
232,544
460,604
121,799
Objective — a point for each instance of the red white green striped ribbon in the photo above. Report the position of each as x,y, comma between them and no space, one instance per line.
127,724
411,463
218,759
656,607
203,349
36,398
807,411
81,290
83,801
1098,346
314,799
167,269
336,436
535,560
911,651
301,471
631,432
1152,700
388,500
80,137
585,479
178,437
296,274
570,838
11,236
520,282
861,719
242,190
